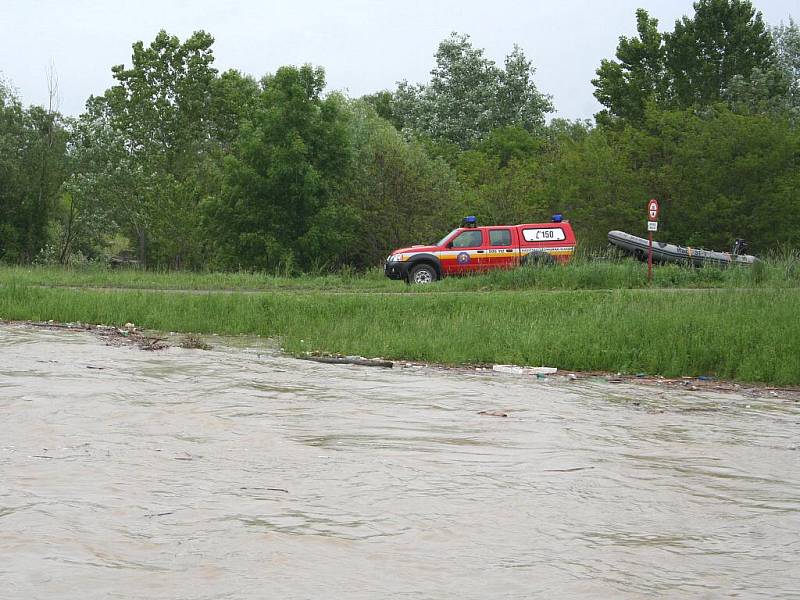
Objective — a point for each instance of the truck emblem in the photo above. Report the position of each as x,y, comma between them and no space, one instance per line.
463,258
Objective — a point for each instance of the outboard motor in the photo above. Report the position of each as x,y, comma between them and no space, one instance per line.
739,247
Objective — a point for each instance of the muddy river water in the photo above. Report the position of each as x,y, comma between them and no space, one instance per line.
241,473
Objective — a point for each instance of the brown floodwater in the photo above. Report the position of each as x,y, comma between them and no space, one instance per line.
241,473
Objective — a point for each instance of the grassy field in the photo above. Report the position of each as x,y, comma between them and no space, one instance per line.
749,335
583,273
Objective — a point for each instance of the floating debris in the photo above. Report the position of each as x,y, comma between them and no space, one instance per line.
572,470
348,360
493,413
517,370
266,489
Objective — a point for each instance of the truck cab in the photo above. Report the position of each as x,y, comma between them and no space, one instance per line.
473,249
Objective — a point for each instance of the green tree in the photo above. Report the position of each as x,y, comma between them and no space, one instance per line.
716,174
591,179
32,167
637,77
725,42
502,177
84,215
286,164
395,194
776,89
234,98
383,103
12,132
162,113
162,102
469,95
787,45
725,39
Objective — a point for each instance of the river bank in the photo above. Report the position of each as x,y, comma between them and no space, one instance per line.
130,335
747,336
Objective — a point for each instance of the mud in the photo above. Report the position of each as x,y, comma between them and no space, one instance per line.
237,472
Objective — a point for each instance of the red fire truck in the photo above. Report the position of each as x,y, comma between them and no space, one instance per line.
473,249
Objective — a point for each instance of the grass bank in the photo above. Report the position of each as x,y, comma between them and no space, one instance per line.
751,335
583,273
93,276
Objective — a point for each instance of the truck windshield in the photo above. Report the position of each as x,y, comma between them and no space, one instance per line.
442,241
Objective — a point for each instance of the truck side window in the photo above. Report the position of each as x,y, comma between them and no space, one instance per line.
468,239
500,237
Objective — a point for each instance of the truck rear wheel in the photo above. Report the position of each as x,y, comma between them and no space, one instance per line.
422,274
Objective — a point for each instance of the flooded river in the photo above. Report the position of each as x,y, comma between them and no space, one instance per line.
240,473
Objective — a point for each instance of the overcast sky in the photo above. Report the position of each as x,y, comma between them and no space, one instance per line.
364,45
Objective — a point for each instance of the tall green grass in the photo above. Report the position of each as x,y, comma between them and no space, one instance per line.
750,335
596,273
94,276
583,273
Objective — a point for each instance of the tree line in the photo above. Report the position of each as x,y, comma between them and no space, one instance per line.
185,167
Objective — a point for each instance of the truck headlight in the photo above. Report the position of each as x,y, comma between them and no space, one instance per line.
395,258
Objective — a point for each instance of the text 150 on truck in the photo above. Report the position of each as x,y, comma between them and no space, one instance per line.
472,249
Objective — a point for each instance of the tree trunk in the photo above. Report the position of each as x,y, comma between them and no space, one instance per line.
141,235
68,235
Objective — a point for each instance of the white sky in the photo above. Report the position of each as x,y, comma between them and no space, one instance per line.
363,45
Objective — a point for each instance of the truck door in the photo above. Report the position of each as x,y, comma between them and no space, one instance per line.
464,252
501,252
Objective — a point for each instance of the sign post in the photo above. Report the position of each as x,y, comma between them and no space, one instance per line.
652,225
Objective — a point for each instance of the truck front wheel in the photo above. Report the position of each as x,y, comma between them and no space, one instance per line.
422,274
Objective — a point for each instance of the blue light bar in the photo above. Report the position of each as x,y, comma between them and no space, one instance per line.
470,220
557,218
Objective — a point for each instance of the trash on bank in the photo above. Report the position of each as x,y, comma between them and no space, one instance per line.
195,342
517,370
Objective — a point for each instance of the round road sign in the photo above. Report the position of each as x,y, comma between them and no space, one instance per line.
652,210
